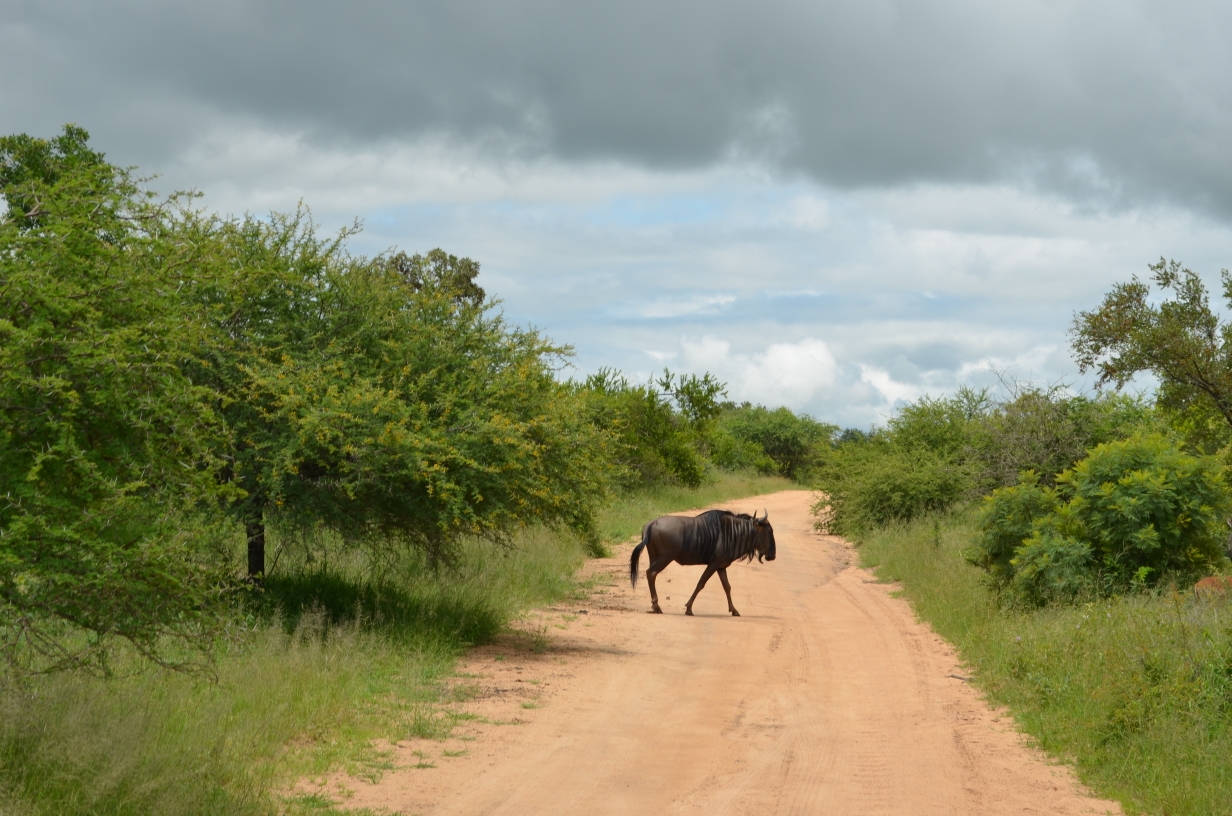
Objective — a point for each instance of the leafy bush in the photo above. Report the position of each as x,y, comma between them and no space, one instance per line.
1054,563
1047,430
873,484
1130,514
735,454
108,451
172,380
789,441
655,434
941,425
1007,520
1144,504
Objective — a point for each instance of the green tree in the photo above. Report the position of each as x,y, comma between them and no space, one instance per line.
1132,513
442,271
1179,339
651,439
873,483
1046,430
107,449
383,398
791,442
941,425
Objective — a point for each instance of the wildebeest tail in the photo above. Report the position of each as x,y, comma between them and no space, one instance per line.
637,555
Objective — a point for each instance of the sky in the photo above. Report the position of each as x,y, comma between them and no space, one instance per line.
837,207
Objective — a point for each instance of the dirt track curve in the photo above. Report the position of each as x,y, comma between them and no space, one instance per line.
825,697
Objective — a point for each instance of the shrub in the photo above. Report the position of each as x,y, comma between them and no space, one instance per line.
941,425
789,442
1047,430
732,453
1145,505
108,451
874,484
1054,563
651,441
1007,519
1130,514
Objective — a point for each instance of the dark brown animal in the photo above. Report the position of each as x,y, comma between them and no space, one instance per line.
715,538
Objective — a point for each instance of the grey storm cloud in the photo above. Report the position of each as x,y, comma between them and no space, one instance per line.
1115,102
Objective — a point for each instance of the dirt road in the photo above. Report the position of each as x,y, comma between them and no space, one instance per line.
824,697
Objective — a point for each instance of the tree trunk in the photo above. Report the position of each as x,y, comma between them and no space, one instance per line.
256,546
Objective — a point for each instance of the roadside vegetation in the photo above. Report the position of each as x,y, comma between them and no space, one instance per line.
1056,539
260,492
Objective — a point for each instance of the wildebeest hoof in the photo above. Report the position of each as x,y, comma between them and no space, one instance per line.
656,611
735,614
688,611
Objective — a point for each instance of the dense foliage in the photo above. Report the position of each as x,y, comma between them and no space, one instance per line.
383,399
108,449
1178,339
937,452
1131,513
658,431
770,441
166,374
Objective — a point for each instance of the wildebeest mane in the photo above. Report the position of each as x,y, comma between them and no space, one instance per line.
721,535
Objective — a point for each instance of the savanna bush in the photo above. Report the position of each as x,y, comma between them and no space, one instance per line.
1047,430
736,454
173,381
772,440
1132,513
873,484
651,441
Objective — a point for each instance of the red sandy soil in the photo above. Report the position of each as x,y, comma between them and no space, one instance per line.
825,697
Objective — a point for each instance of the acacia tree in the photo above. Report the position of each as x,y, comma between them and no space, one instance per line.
1180,340
107,449
383,398
165,373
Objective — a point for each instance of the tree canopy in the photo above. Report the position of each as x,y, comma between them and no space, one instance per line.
1179,339
166,374
108,450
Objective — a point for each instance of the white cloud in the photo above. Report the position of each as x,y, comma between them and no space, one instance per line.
927,286
788,374
894,392
661,356
709,353
681,305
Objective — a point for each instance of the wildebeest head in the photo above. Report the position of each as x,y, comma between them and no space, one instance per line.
765,536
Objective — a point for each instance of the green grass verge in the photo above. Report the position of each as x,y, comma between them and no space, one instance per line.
1135,691
340,649
326,660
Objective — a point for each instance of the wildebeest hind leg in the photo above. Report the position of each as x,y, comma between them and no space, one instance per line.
652,572
727,589
688,608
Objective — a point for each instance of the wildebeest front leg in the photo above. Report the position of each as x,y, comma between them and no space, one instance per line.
688,608
727,589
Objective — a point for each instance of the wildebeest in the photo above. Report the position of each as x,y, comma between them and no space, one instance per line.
715,538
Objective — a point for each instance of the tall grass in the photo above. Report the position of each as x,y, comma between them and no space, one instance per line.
337,651
1136,691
